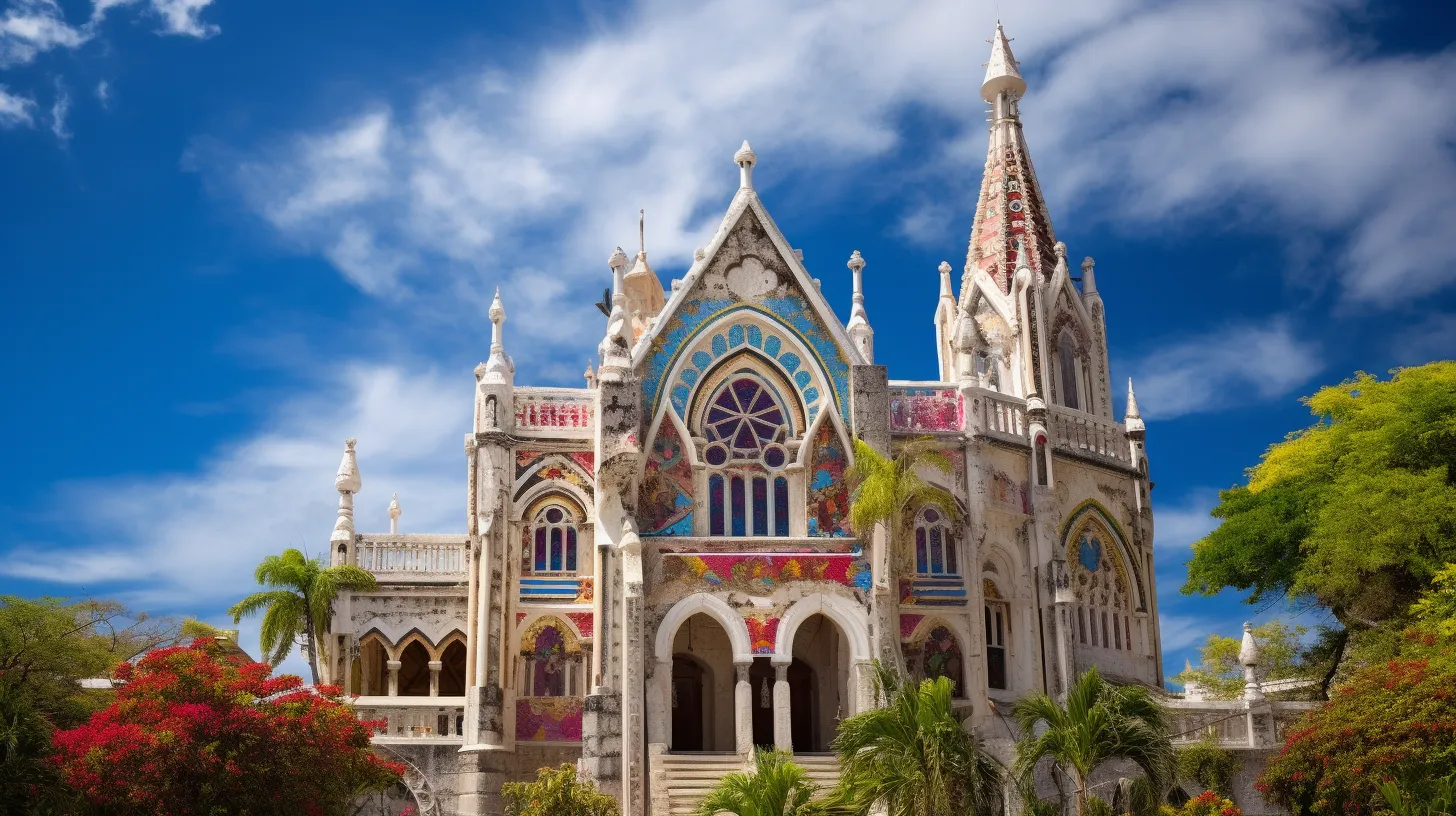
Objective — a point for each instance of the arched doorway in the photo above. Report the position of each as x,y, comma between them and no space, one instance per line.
414,671
452,670
701,703
818,687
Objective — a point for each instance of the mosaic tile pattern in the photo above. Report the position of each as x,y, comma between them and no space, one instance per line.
828,499
548,719
761,574
926,410
585,622
763,633
666,507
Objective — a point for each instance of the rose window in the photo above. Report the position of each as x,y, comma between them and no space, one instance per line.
743,423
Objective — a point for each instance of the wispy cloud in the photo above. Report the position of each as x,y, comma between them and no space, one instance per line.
1181,523
1235,365
60,109
15,110
191,540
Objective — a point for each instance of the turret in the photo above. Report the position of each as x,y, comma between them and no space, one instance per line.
495,378
347,482
858,328
945,315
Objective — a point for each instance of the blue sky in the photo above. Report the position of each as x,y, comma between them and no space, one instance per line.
233,234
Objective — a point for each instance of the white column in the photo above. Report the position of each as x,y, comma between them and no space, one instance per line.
393,666
659,706
435,666
862,686
743,708
783,724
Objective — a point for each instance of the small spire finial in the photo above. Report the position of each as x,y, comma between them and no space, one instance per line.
642,231
618,259
1089,276
745,158
347,482
1002,73
1249,657
394,513
858,326
944,270
1132,418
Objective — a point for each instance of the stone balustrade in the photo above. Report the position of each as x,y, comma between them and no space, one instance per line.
993,414
407,719
1082,434
413,557
555,412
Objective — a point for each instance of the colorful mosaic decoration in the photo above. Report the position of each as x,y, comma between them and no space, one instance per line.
584,590
942,658
761,574
548,719
933,592
667,486
585,622
553,466
1010,494
520,616
828,507
781,301
932,410
908,624
548,636
763,632
539,413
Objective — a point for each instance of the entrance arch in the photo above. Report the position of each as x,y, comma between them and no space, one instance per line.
818,687
701,690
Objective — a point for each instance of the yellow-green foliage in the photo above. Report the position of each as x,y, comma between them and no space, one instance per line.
1221,675
556,792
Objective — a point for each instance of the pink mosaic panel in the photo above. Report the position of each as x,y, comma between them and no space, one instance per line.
552,412
763,633
548,719
926,410
908,624
585,623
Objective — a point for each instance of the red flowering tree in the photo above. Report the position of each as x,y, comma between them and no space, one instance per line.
1392,721
193,732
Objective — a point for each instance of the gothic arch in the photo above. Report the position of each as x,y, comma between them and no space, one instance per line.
530,629
849,616
523,492
756,364
715,608
544,493
396,635
559,617
1093,513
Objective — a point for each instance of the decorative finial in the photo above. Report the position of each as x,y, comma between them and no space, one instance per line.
590,375
499,368
1002,73
618,259
858,326
745,158
642,231
1249,657
856,263
1132,419
394,513
347,482
944,270
497,308
1089,277
347,479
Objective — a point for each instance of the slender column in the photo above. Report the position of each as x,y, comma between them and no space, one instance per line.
743,708
435,666
783,735
657,709
393,666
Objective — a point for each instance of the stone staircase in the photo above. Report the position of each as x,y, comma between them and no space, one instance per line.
689,777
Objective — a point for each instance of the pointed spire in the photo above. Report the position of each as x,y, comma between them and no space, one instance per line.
1132,419
1003,75
394,514
347,482
745,158
858,326
944,271
590,375
643,288
1089,277
499,368
1249,657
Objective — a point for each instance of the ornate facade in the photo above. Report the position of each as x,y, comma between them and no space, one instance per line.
659,572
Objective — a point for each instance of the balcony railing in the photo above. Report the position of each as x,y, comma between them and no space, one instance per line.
1086,435
996,415
414,718
413,558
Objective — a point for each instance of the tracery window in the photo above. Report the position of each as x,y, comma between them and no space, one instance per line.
1067,364
935,551
553,540
745,424
1102,611
552,661
997,624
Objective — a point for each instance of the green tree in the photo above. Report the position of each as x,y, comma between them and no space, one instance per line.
29,782
1100,722
885,486
1356,513
913,755
1282,656
776,787
556,792
1435,798
1436,610
300,606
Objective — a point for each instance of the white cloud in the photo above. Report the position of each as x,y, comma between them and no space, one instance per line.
191,541
103,93
60,108
32,27
1180,524
1230,366
1175,110
182,17
15,110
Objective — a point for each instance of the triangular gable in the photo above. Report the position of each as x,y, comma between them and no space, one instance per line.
718,283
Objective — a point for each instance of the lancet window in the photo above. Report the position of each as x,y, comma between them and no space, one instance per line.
998,630
745,424
1102,591
552,661
1067,365
935,551
552,538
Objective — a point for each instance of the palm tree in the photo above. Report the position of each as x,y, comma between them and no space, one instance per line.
301,605
884,486
1099,722
913,755
777,787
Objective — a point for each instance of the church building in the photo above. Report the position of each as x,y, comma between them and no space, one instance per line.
659,572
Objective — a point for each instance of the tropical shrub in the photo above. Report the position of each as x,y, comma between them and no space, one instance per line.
776,787
1391,721
1423,798
1209,765
556,792
192,731
1207,803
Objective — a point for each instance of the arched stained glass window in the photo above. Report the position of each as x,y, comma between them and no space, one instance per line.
1102,594
743,424
553,540
935,552
1067,362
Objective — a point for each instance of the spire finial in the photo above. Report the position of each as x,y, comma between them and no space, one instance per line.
858,326
944,270
1002,73
1133,419
1249,657
394,513
642,231
347,482
745,158
499,367
590,375
1089,277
